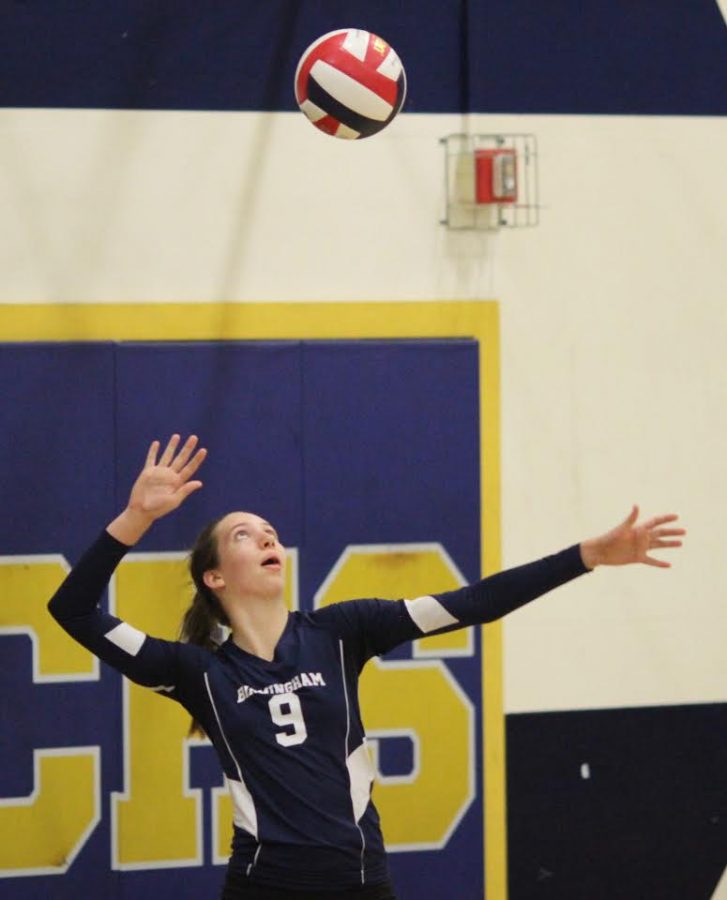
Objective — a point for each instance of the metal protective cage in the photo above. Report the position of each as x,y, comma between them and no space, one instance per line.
490,181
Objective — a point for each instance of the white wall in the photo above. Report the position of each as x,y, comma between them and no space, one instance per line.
614,324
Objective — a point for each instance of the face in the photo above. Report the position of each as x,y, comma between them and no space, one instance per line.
251,559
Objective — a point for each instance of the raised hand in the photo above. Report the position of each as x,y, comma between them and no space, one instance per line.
630,542
162,485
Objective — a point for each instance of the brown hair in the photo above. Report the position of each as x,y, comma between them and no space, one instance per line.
205,613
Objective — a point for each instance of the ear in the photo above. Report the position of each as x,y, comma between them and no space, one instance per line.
213,580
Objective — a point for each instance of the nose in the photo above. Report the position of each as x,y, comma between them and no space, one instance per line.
267,540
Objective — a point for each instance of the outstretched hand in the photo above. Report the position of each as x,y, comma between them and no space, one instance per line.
165,484
631,542
162,485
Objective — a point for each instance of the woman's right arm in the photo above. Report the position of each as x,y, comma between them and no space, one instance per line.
161,487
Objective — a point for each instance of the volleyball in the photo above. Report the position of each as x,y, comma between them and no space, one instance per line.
350,83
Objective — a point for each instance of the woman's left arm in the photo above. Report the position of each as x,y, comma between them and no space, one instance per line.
502,593
377,626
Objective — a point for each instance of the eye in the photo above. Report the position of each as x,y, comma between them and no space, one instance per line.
239,534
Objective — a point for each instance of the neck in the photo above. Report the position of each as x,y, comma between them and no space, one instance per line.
257,626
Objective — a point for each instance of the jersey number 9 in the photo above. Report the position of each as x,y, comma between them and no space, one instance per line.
286,711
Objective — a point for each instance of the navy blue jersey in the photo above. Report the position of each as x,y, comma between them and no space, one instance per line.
288,732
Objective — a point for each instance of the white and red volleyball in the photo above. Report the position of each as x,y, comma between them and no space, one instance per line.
350,83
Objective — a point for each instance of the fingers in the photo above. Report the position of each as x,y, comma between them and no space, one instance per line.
183,462
656,534
151,456
170,450
668,532
661,538
193,464
658,537
632,516
181,459
654,521
189,488
660,520
658,540
658,563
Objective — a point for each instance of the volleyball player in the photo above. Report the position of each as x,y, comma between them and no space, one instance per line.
278,698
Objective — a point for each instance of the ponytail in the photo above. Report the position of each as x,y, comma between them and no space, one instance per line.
204,622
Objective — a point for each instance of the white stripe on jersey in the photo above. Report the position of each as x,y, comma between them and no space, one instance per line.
127,638
348,728
361,773
244,813
428,614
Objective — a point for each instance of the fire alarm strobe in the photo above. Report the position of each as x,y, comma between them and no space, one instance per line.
496,175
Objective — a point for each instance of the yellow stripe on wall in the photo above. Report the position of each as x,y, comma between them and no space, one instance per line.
344,321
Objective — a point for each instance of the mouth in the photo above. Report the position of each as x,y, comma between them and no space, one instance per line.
272,562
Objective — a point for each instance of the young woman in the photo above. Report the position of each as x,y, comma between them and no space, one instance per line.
278,697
